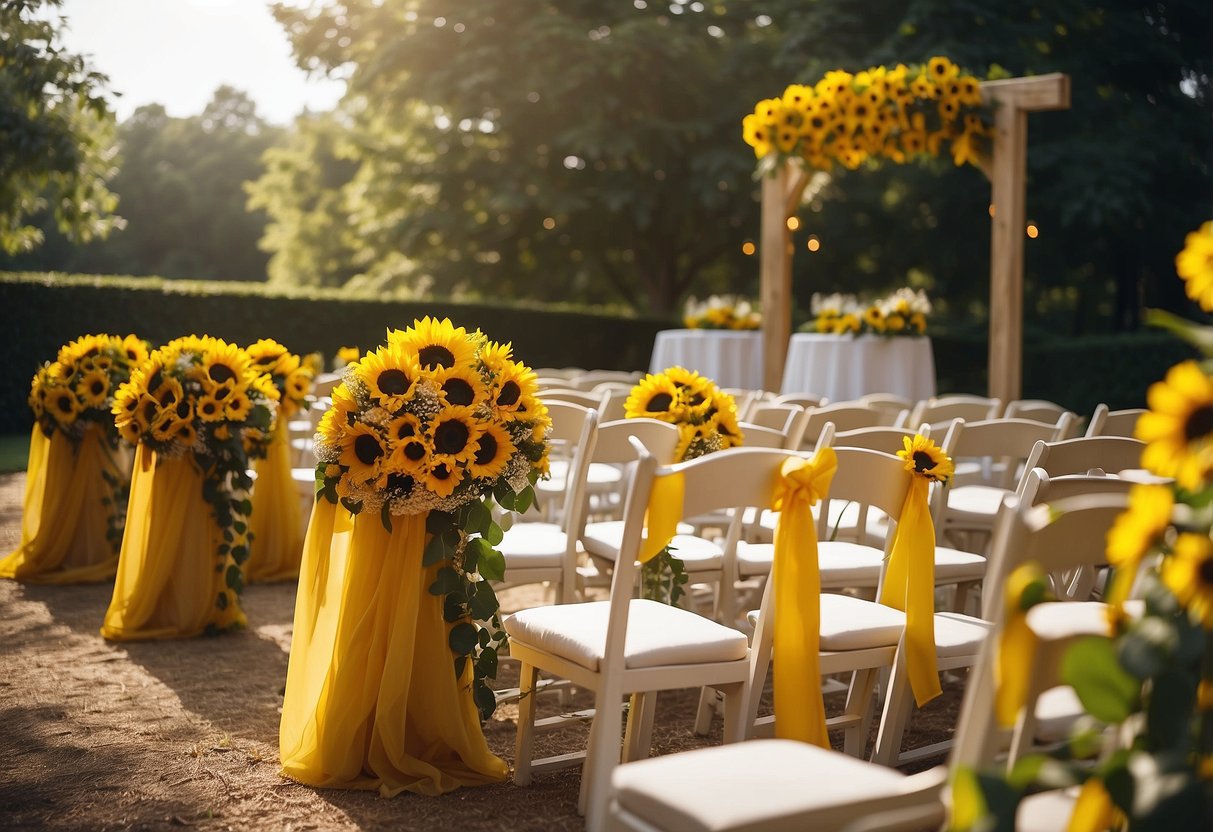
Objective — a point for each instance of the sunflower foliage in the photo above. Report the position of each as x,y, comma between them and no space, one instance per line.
900,114
721,312
706,418
292,374
438,421
1143,757
903,312
207,401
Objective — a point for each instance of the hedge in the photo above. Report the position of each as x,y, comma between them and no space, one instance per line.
40,312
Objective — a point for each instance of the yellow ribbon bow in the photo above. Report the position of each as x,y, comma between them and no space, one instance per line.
1017,643
799,709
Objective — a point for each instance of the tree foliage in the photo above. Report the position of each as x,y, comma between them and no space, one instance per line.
55,132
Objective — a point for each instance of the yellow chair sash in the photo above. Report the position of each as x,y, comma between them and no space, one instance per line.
664,512
1016,647
909,585
799,709
167,582
65,514
372,700
277,545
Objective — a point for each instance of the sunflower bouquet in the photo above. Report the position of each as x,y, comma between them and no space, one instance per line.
289,372
706,418
879,113
435,422
903,312
76,391
721,312
835,314
1151,677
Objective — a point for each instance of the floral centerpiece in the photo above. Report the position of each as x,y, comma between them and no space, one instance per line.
706,418
75,501
275,522
903,312
897,113
721,312
1151,677
197,409
421,433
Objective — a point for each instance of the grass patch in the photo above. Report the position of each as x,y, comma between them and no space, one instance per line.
14,453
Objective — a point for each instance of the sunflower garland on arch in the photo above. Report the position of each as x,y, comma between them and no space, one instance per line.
706,418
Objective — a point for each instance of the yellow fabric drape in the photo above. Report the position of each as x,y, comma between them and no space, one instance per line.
909,585
1016,647
64,521
799,709
168,584
664,512
275,523
372,700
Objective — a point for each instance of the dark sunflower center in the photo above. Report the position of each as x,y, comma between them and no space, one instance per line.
209,407
367,449
660,403
510,392
406,430
1205,572
132,355
923,461
441,472
696,400
149,411
435,356
221,393
458,392
183,410
487,451
220,373
400,482
393,382
415,451
1199,424
65,404
97,387
451,437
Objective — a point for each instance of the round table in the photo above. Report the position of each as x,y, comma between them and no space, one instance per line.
731,358
845,367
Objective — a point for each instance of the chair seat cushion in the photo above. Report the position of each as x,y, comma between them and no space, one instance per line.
602,539
1068,619
973,505
957,565
959,635
855,624
657,634
844,564
849,564
533,545
771,785
600,475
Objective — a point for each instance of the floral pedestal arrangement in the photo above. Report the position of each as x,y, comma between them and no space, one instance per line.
78,474
197,409
396,627
277,539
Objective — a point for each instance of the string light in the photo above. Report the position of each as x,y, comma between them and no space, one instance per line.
1033,231
748,248
793,223
814,244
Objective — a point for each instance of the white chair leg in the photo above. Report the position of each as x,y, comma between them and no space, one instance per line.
898,702
638,735
708,698
736,712
601,757
859,705
527,676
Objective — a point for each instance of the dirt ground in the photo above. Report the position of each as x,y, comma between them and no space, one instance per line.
184,734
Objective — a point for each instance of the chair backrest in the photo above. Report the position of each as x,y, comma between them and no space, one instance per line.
760,436
613,401
868,479
573,437
805,400
1105,422
890,404
1009,440
744,399
1038,487
614,443
844,415
789,419
566,394
559,372
591,378
1081,455
942,409
885,439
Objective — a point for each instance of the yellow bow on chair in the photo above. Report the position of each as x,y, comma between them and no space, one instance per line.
799,709
1024,587
663,513
909,582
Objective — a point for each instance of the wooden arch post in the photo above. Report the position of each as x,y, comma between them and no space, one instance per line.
1013,99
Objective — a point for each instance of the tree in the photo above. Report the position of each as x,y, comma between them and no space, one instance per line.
55,133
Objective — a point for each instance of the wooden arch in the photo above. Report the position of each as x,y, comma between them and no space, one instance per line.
1013,99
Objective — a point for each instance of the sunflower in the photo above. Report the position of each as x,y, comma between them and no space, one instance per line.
362,452
348,355
135,349
1195,265
433,343
266,352
63,405
237,407
164,429
874,318
223,364
493,450
1178,428
940,69
693,389
461,386
495,357
410,454
168,391
86,346
298,383
1188,572
332,426
1142,524
442,478
128,431
926,459
388,373
454,434
209,409
513,385
654,396
93,388
126,402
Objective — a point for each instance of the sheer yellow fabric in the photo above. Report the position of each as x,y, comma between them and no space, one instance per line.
1016,647
909,585
168,585
664,512
372,700
277,537
64,522
799,709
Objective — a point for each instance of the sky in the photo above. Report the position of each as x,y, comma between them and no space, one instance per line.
176,52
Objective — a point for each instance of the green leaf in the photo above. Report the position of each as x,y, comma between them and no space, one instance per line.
442,547
1170,709
385,516
506,498
448,581
484,601
493,534
1118,780
486,664
234,579
461,662
526,498
478,517
463,638
240,554
1107,692
492,564
439,522
486,701
453,608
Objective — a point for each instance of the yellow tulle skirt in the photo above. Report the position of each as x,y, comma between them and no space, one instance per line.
372,700
170,575
277,545
69,523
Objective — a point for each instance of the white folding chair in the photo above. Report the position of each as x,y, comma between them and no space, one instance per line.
1105,422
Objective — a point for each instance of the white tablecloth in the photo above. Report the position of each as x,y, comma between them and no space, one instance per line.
731,358
845,367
